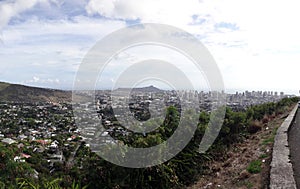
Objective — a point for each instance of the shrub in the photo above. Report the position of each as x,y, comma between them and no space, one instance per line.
254,127
254,167
265,119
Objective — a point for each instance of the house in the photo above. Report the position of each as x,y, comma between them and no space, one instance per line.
57,157
54,144
21,145
22,137
26,156
43,142
8,141
32,138
19,159
71,138
39,149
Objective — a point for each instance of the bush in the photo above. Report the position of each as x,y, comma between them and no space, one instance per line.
254,167
254,127
265,119
181,170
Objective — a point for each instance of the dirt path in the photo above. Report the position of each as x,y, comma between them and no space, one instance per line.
232,172
294,143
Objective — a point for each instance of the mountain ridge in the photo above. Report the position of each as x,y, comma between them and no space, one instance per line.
31,94
23,93
150,88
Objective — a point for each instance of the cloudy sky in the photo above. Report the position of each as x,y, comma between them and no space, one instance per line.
255,43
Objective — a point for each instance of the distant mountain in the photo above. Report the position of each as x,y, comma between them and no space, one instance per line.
141,89
21,93
147,89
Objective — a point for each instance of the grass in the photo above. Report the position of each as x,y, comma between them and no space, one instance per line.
263,156
270,140
3,85
254,167
245,183
249,184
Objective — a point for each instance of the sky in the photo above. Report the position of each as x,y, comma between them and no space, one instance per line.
255,43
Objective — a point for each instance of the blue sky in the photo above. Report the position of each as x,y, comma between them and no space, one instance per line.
256,44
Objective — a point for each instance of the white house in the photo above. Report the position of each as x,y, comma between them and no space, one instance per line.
8,141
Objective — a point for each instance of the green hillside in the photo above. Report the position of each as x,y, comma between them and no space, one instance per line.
3,85
21,93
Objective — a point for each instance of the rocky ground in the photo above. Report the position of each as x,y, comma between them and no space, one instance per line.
234,171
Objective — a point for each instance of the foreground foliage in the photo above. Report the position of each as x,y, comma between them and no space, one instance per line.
90,171
254,167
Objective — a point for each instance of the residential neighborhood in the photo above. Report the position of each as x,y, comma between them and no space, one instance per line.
46,131
49,133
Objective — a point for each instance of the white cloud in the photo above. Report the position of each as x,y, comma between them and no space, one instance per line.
50,48
259,24
253,41
53,44
162,11
9,9
38,80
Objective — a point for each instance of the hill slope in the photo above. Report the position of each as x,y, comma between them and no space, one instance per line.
140,89
3,85
21,93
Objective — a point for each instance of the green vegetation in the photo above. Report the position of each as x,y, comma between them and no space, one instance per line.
254,167
3,86
10,170
270,139
246,183
20,93
53,184
91,171
249,184
263,156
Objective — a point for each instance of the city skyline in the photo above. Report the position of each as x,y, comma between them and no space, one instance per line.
255,44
